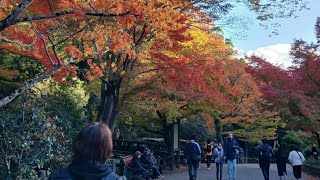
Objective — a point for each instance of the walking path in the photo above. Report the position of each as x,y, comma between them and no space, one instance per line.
245,172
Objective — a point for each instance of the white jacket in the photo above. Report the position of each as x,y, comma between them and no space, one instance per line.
296,158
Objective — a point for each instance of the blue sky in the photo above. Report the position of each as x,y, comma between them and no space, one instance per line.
256,38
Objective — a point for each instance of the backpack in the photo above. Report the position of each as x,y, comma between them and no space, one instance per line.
209,148
265,153
192,152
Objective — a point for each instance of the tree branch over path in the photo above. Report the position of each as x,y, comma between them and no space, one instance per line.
10,21
29,85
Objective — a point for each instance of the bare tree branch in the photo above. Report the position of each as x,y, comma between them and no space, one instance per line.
54,48
44,43
15,13
12,21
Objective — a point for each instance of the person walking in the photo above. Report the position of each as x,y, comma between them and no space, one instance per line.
91,149
258,147
314,152
230,148
296,160
193,156
241,155
265,153
208,149
218,155
281,159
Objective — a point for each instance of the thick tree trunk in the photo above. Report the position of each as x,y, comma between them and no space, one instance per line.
168,138
109,104
218,129
168,130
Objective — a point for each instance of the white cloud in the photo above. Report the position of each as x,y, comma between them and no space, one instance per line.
277,54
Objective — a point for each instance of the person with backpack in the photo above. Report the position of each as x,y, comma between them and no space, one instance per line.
231,147
208,149
281,158
219,160
296,160
265,153
91,149
192,153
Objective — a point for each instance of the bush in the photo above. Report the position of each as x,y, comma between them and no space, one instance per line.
292,139
312,161
30,140
37,129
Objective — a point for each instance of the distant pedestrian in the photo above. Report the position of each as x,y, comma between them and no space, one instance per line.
296,160
208,149
193,156
259,144
241,155
265,153
281,158
230,148
315,152
218,155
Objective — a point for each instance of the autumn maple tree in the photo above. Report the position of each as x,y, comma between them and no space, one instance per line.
293,92
112,38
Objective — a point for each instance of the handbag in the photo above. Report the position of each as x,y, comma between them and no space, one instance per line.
300,157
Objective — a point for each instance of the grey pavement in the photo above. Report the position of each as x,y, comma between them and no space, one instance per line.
245,172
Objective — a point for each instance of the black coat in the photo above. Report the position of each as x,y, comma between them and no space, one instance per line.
136,166
84,170
146,160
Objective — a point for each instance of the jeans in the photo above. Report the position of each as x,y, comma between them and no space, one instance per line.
265,171
232,169
209,161
193,169
219,170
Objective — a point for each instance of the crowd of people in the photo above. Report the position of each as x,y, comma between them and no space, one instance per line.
231,153
93,146
228,152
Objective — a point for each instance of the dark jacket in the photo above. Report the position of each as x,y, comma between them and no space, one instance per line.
229,148
281,155
84,170
265,149
146,160
192,151
136,166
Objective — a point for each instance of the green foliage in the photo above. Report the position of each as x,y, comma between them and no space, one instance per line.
259,129
312,161
36,130
292,139
197,126
16,70
30,140
66,101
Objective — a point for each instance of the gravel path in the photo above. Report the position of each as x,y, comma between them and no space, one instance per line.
245,172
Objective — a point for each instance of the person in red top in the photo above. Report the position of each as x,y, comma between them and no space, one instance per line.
208,150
